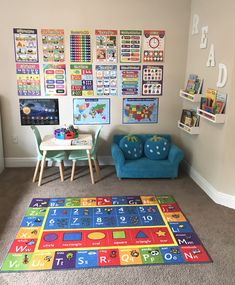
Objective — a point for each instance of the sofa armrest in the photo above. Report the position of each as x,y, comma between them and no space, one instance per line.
175,154
117,154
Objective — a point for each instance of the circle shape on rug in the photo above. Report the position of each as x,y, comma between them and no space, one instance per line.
50,237
96,235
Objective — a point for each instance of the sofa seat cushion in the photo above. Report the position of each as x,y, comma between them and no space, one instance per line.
156,148
131,146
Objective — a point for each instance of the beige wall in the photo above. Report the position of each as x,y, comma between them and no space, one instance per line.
212,152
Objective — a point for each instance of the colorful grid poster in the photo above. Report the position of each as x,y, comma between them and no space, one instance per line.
81,80
55,79
80,46
130,42
106,46
91,111
106,80
130,79
152,79
140,111
53,45
26,45
153,46
28,79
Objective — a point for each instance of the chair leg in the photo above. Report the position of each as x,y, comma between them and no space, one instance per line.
36,171
62,171
97,167
73,170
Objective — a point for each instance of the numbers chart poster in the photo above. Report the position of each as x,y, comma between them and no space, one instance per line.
26,45
28,79
106,46
81,80
106,80
130,42
152,79
140,111
153,46
80,46
53,45
55,79
130,80
91,111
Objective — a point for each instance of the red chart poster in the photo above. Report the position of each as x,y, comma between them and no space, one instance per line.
153,46
80,46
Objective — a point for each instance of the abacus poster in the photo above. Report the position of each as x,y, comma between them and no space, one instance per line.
153,46
130,42
106,46
26,45
81,80
55,79
106,80
53,45
152,80
80,46
130,80
28,79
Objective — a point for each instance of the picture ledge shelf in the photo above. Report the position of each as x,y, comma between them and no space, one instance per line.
189,130
215,118
190,97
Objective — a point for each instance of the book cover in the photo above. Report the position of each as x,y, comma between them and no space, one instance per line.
220,102
210,100
190,87
186,117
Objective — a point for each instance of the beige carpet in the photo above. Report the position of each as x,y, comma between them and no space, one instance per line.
214,224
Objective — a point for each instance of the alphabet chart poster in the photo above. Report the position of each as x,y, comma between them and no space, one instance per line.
55,79
106,80
81,80
106,46
80,46
130,79
53,45
153,46
26,45
28,79
152,80
130,42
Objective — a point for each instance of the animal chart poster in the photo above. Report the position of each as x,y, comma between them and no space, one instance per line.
152,80
26,45
28,79
81,80
130,79
106,46
80,46
153,46
130,42
91,111
106,80
140,111
53,45
55,79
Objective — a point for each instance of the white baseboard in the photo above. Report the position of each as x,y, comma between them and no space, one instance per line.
218,197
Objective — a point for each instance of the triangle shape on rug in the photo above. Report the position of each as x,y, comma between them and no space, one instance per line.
141,234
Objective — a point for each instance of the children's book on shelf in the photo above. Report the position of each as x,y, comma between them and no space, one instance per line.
214,102
189,118
194,84
220,102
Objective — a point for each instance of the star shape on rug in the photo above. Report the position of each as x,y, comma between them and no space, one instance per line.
161,233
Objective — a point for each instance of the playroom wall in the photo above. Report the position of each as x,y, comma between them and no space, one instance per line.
211,153
168,15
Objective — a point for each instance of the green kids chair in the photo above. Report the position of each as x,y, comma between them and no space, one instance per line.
82,155
54,156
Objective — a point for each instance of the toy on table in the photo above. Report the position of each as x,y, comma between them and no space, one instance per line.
66,133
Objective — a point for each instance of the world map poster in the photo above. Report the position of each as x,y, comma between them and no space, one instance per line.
140,111
91,111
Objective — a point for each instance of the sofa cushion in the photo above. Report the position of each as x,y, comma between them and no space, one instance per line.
131,146
156,148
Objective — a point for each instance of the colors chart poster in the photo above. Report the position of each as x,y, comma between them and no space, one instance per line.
153,46
130,46
130,80
152,80
81,80
106,80
80,46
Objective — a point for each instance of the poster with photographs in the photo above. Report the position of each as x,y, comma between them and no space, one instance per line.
152,80
130,46
153,46
106,80
80,46
130,80
55,79
81,80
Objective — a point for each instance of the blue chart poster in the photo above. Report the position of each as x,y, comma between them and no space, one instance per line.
91,111
140,111
130,80
106,80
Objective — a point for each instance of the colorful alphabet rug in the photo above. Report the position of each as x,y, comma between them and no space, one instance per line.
74,233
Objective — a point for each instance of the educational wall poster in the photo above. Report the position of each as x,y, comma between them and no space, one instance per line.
106,46
91,111
106,80
80,46
140,111
130,42
53,45
26,45
55,79
152,79
153,46
130,80
28,79
81,80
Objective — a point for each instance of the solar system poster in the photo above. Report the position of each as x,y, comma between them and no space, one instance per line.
153,46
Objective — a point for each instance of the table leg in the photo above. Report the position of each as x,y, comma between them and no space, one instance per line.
90,166
42,167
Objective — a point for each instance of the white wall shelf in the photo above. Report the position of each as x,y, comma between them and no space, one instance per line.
215,118
190,97
189,130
